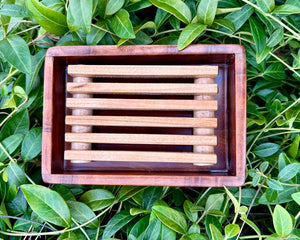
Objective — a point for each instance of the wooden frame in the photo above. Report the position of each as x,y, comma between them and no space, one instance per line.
62,64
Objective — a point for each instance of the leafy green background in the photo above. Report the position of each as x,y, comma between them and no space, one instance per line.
266,207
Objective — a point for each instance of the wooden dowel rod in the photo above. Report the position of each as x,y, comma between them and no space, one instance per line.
142,88
141,121
161,71
159,139
204,114
139,156
141,104
81,112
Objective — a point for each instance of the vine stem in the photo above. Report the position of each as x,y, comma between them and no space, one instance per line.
270,123
285,64
273,18
15,233
8,76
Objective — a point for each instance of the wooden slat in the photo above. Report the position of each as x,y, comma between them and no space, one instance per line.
180,71
160,139
138,156
141,121
142,88
141,104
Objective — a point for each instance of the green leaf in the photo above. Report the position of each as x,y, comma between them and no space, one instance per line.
233,199
14,10
97,199
153,230
252,225
16,52
289,7
264,166
271,194
282,221
121,24
206,11
79,15
284,196
274,71
64,192
96,34
10,144
231,230
189,34
176,7
275,38
3,211
296,197
266,149
68,236
167,233
118,221
16,174
137,211
215,232
150,196
113,6
274,184
52,21
32,144
82,213
127,192
289,172
137,231
160,17
266,5
238,18
47,204
259,35
37,62
225,23
192,215
19,123
194,228
294,147
261,56
171,218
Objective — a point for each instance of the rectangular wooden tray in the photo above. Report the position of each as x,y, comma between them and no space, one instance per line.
145,115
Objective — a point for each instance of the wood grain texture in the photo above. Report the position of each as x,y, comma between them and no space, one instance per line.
141,104
141,139
141,121
231,148
142,88
142,71
135,156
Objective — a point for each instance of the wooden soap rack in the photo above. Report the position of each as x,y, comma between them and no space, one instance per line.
82,104
145,115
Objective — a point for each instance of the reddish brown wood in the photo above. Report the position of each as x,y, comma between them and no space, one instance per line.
231,115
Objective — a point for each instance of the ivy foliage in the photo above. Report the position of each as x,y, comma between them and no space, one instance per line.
267,207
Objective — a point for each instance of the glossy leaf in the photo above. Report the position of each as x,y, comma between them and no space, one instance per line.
192,215
153,230
16,52
19,123
150,196
231,230
194,236
32,144
52,21
171,218
282,221
289,172
206,11
252,225
296,197
121,25
118,221
238,18
266,5
215,232
16,174
10,144
138,230
225,23
294,147
47,204
271,194
79,15
266,149
275,38
13,10
127,192
289,7
96,34
275,185
189,34
82,213
113,6
97,199
176,7
258,33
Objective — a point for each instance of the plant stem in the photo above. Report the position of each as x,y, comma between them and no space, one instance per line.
297,36
8,77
